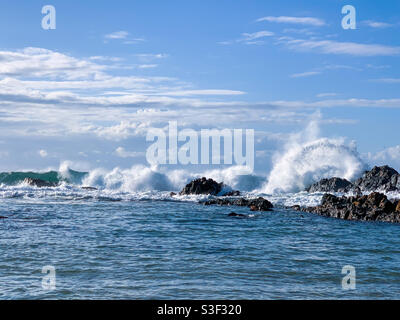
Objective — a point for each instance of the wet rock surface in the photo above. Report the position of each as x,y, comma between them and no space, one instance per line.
202,186
207,186
373,207
331,185
259,204
382,178
39,183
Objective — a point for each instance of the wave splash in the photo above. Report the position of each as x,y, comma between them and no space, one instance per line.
303,164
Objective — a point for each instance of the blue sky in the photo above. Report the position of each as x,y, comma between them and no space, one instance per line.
88,91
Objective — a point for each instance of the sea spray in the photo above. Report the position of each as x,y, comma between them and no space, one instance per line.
305,162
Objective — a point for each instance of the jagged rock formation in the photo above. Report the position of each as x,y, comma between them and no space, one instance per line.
38,183
259,204
382,178
374,207
206,186
331,185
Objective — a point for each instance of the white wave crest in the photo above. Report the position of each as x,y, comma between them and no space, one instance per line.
305,163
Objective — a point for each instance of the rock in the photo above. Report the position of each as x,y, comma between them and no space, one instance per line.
331,185
382,178
39,183
171,194
3,217
234,214
89,188
398,206
374,207
233,193
202,186
259,204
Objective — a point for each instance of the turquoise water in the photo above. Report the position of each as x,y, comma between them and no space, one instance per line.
103,248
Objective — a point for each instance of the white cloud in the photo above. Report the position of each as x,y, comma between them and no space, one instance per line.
387,80
117,35
336,47
294,20
326,94
121,152
376,24
250,38
305,74
389,156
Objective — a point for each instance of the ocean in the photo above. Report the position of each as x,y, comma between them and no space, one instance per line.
142,243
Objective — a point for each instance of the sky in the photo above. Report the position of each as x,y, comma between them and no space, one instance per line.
88,91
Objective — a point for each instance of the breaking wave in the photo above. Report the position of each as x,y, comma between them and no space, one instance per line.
302,164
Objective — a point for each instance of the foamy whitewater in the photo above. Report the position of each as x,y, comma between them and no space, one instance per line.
301,163
130,239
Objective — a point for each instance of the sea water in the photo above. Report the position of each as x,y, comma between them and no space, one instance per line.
148,245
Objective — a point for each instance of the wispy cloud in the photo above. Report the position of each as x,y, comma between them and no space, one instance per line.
336,47
117,35
294,20
124,36
377,24
121,152
326,94
250,38
305,74
387,80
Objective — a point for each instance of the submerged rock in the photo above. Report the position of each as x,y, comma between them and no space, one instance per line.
238,215
382,178
373,207
89,188
39,183
331,185
259,204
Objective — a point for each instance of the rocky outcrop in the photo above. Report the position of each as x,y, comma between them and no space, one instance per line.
259,204
373,207
39,183
331,185
382,178
206,186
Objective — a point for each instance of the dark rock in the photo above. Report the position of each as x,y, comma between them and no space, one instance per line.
382,178
234,214
39,183
2,217
331,185
398,206
202,186
374,207
259,204
171,194
233,193
89,188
